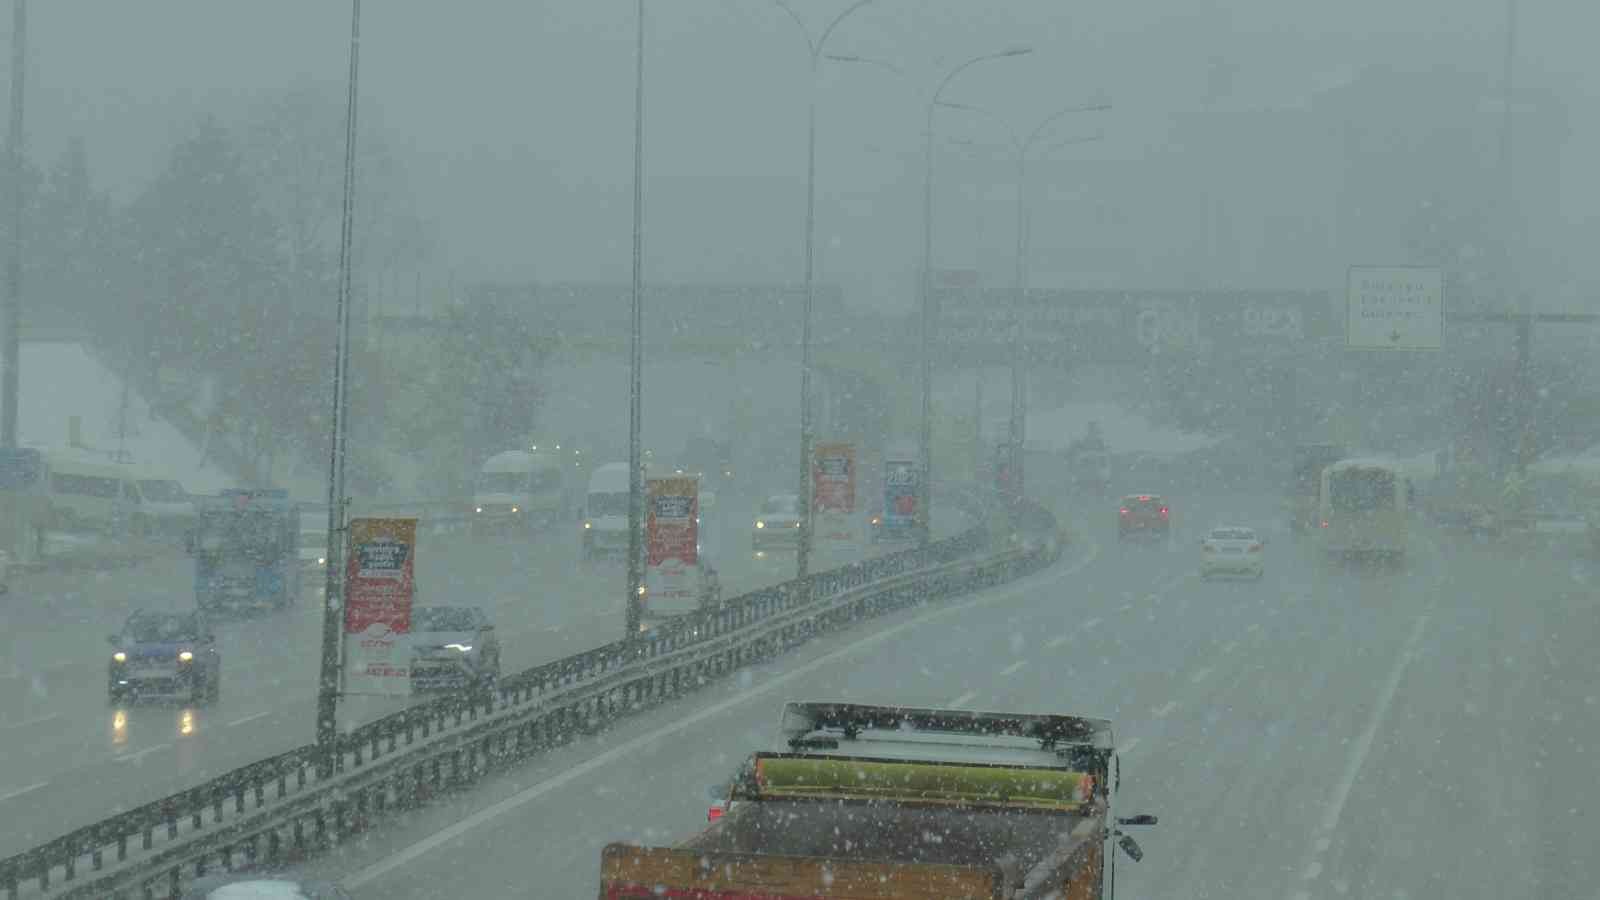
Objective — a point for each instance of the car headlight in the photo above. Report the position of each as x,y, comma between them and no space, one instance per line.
760,524
478,508
588,525
185,656
119,656
322,560
459,648
514,509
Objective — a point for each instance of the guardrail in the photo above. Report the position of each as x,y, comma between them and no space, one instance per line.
278,809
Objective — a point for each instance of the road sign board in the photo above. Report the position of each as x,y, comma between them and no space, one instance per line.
1394,308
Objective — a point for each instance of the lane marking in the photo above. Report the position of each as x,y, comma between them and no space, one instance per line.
1057,641
1090,624
964,699
1164,710
1028,587
1128,747
1230,646
1200,675
1014,667
22,790
1125,607
264,713
137,755
29,723
1363,746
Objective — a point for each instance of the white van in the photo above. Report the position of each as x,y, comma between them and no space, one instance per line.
88,496
519,487
605,512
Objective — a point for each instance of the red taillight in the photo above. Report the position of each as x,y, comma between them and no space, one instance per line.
1163,512
1125,511
1324,523
1255,548
1144,498
714,813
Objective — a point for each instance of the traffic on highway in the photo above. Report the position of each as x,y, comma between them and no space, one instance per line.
767,450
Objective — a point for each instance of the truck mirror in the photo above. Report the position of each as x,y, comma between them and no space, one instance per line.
1130,847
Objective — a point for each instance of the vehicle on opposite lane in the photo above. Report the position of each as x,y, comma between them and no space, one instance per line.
165,654
452,647
777,525
1233,550
1143,514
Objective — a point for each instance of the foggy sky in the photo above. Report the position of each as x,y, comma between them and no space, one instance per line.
515,117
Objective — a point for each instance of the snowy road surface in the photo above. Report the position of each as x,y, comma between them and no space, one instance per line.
71,758
1322,733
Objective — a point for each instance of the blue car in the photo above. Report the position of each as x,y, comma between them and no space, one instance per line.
167,655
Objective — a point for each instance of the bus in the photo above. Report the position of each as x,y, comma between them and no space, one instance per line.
1305,483
1362,507
246,549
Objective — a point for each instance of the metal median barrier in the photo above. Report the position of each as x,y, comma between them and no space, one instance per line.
278,811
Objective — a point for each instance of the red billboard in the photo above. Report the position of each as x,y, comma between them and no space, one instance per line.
379,584
833,478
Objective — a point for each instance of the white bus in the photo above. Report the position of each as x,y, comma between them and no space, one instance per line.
520,487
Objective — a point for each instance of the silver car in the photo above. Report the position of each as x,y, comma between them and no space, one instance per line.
777,525
452,647
261,887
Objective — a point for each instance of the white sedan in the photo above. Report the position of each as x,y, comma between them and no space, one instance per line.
1233,550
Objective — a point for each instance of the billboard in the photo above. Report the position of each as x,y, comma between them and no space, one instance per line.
901,481
672,537
379,584
833,489
1394,308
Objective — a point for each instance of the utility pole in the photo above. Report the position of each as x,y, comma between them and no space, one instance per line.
635,605
10,380
333,597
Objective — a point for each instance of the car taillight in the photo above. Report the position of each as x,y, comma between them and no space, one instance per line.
1324,523
1255,548
714,813
1163,512
1125,511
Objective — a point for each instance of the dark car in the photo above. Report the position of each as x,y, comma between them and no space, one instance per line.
262,887
165,654
1143,514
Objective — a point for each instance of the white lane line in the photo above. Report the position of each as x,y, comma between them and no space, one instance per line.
1230,646
1090,624
140,754
1057,641
1028,587
1363,746
1164,710
964,699
22,790
1014,667
1125,607
1128,747
29,723
1200,676
259,715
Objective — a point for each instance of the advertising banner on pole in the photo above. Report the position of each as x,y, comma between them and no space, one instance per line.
379,587
901,483
672,538
833,490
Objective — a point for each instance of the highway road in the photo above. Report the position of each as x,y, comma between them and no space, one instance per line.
71,758
1323,733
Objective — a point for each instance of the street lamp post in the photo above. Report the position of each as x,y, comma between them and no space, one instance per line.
1020,146
12,324
803,552
635,604
333,596
925,484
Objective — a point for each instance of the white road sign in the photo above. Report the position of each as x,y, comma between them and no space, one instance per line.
1395,308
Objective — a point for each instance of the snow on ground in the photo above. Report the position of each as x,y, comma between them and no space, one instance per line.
60,380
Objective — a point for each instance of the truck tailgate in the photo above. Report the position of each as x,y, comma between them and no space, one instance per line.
628,871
